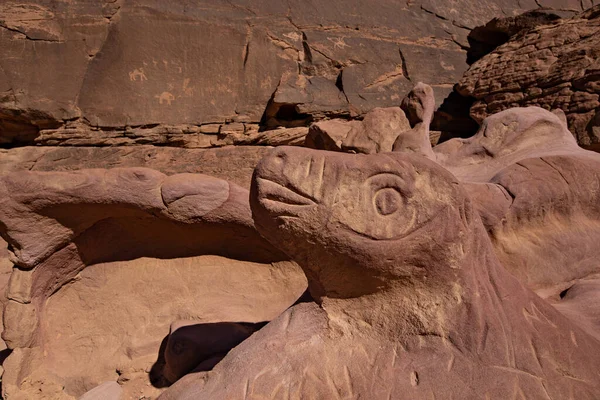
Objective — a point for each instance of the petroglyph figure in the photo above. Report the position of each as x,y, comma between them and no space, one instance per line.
165,97
138,73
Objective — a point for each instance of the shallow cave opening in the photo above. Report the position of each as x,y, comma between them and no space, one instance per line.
452,118
284,115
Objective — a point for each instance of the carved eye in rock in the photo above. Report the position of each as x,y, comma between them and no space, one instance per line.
387,201
381,207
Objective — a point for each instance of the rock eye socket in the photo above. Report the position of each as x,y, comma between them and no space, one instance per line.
387,201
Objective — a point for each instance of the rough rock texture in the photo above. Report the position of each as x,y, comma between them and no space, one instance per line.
404,128
553,66
424,270
580,303
232,163
536,191
209,73
410,295
376,133
113,247
534,188
485,39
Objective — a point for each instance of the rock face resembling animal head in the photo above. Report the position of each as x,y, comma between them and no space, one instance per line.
360,223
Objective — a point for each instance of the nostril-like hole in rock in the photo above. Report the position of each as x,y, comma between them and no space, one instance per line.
563,294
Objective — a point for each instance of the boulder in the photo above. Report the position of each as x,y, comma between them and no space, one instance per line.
404,128
531,183
553,66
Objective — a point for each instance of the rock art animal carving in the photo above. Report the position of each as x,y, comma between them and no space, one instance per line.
51,241
411,300
534,188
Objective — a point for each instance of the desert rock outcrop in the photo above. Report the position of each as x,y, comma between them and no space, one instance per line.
404,128
536,191
422,269
204,74
555,66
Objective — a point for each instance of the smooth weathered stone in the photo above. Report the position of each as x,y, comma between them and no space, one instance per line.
20,325
112,245
544,215
105,391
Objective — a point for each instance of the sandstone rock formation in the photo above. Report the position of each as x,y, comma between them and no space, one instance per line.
404,128
125,280
554,66
536,192
105,260
422,264
411,297
232,163
519,170
119,72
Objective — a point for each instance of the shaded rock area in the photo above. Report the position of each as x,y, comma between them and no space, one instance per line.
554,66
213,73
484,39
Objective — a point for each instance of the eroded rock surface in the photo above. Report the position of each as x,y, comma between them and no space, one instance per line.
106,260
109,72
554,66
411,297
422,265
233,163
536,191
404,128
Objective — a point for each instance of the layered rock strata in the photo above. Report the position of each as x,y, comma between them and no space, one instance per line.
205,74
555,66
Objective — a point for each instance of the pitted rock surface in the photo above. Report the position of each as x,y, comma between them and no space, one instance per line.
554,66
